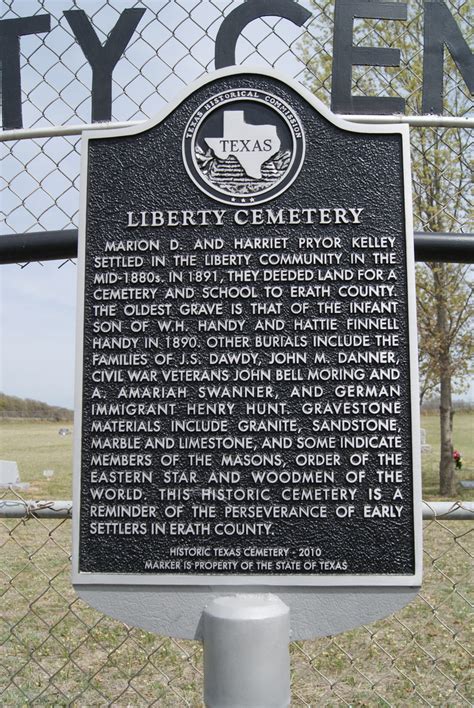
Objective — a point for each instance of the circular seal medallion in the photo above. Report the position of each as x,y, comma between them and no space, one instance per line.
243,146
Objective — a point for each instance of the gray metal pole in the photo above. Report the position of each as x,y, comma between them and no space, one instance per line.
246,652
58,245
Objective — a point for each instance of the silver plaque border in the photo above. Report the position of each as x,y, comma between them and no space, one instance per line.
172,584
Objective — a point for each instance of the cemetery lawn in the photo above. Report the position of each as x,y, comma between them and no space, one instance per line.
36,446
463,441
47,632
95,661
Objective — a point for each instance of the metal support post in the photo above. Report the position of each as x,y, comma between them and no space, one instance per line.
246,652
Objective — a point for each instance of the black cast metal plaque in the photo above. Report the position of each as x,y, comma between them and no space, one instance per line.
247,383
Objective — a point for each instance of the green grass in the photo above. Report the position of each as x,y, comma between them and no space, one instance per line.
36,446
463,440
55,650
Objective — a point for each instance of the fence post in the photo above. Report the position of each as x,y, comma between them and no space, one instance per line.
246,652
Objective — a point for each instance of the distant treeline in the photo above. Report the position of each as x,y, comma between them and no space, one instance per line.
14,407
432,406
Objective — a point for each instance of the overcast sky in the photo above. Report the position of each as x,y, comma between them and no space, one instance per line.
38,302
38,311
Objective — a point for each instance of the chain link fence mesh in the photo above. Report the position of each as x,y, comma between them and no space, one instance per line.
173,45
55,649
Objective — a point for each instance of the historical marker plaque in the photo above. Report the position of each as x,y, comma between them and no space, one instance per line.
247,380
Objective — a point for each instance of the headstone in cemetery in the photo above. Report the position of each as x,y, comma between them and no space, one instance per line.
247,379
425,447
10,475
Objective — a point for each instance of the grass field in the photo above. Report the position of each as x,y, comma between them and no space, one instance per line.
36,446
463,440
55,650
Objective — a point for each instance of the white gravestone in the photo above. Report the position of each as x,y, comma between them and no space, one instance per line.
424,445
10,475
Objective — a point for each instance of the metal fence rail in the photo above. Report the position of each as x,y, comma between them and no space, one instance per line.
58,245
54,649
62,509
173,44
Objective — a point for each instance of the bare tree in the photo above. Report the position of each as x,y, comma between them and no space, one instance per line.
441,183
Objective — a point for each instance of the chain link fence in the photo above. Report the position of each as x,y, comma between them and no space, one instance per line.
174,44
55,649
